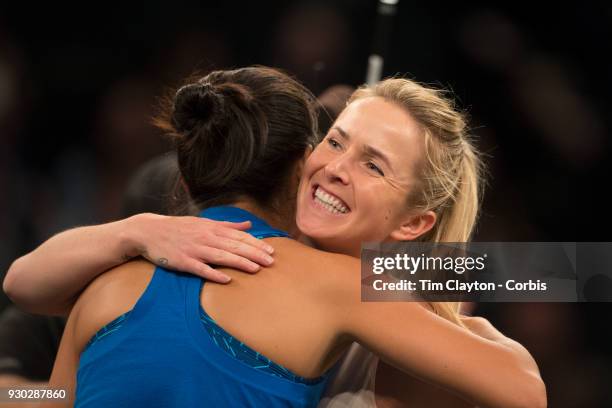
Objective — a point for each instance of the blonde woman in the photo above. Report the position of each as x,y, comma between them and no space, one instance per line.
376,176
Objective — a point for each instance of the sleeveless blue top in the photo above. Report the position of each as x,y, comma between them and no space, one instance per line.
167,352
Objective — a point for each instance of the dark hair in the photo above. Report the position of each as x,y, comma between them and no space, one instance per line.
151,187
238,133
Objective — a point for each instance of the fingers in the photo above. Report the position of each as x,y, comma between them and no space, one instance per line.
205,271
244,225
221,257
247,239
195,241
244,250
234,230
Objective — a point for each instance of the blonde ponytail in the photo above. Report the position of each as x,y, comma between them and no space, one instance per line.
450,175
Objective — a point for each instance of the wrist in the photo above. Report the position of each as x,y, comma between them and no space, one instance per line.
130,233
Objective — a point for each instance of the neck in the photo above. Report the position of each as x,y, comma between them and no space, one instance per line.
275,219
333,245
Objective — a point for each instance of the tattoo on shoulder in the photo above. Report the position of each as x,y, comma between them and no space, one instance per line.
162,261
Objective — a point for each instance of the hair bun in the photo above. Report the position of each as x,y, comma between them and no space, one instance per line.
195,104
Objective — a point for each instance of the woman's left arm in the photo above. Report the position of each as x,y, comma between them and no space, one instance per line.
49,279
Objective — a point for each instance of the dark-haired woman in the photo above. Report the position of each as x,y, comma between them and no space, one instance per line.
240,138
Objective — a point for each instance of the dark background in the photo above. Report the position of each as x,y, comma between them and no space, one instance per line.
78,84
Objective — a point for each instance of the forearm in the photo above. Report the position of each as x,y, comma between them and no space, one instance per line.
48,279
399,389
485,329
485,372
522,359
523,355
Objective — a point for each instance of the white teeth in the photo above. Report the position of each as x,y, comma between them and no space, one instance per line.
332,204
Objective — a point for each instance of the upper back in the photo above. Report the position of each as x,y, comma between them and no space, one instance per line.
108,296
286,311
160,354
290,311
281,313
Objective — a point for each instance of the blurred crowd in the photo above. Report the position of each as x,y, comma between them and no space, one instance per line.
77,94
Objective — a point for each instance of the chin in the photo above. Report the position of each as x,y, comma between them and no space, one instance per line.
312,230
330,241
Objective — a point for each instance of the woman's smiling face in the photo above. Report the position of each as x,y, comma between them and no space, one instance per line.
355,184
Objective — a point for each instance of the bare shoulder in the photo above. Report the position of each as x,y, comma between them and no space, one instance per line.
110,295
323,265
327,276
117,285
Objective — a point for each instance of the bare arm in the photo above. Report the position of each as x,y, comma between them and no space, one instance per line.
483,328
490,373
66,365
395,388
41,282
486,368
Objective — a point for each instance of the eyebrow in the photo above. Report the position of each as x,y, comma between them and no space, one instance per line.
369,150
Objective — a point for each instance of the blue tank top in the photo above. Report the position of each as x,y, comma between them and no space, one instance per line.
167,352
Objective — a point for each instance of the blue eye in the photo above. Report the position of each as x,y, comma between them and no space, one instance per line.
375,168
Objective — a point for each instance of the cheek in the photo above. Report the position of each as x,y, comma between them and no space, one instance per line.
319,158
374,195
313,159
386,206
311,165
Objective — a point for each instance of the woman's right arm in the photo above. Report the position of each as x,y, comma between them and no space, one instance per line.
490,372
49,279
477,362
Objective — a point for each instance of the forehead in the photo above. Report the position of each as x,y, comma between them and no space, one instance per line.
384,126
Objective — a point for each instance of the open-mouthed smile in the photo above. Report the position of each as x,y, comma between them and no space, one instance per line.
328,201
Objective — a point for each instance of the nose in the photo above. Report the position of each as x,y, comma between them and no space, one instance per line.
337,170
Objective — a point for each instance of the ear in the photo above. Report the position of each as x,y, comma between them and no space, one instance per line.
413,226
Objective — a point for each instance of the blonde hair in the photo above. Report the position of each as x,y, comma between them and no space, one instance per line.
450,175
